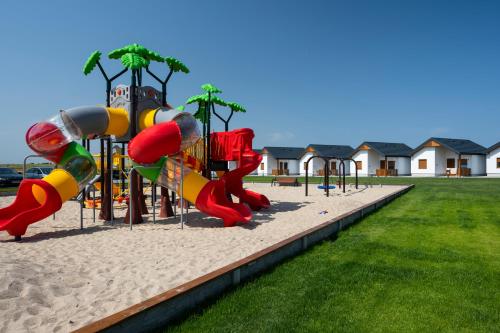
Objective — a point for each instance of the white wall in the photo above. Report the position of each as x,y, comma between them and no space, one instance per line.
403,164
437,162
477,164
362,156
314,165
269,165
442,155
293,166
491,163
426,153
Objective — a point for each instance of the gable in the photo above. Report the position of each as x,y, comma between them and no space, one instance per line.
432,143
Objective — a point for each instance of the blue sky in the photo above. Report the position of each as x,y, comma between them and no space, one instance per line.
333,72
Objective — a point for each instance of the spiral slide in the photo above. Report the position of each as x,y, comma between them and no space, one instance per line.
236,146
155,150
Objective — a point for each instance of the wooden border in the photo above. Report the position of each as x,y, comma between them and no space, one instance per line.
160,310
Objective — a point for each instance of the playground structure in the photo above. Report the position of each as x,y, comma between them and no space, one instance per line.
164,144
326,174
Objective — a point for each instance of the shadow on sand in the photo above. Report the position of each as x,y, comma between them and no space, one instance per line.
194,219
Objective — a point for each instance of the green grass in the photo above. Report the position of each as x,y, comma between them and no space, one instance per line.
429,261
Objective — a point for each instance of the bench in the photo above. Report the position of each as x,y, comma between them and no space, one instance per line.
287,181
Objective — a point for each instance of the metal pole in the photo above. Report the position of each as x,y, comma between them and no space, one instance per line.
153,199
343,176
81,210
130,201
175,206
26,159
307,176
182,193
110,172
93,199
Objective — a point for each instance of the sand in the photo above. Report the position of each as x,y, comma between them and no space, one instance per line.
60,278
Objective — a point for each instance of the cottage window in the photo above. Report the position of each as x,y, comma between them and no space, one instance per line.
382,164
498,163
422,164
262,166
450,163
359,165
333,165
391,165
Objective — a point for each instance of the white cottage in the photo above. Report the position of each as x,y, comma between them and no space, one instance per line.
334,154
256,171
448,157
382,159
279,161
493,160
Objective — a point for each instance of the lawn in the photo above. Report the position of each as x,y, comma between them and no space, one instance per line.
429,261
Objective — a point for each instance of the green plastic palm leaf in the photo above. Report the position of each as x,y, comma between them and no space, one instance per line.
176,65
196,99
133,61
204,98
217,100
210,88
91,62
236,107
180,108
200,113
138,50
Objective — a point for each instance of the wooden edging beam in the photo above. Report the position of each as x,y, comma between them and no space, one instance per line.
174,304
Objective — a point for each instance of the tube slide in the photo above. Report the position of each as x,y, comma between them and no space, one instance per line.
169,138
236,145
166,133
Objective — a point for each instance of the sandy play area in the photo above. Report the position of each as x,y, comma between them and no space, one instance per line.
60,278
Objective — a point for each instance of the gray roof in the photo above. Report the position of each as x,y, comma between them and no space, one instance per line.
289,153
339,151
388,149
495,146
459,146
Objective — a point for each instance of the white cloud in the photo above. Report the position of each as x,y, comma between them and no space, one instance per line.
439,131
281,137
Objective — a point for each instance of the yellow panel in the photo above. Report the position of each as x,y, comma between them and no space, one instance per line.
193,183
364,147
118,122
147,118
65,184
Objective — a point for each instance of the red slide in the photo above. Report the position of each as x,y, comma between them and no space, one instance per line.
25,210
213,201
236,145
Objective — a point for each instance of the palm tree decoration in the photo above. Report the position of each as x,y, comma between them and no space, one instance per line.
174,65
234,107
206,102
134,57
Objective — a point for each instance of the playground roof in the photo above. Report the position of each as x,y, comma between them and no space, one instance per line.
459,146
388,149
495,146
289,153
338,151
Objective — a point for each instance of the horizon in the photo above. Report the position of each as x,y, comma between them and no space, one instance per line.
324,72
